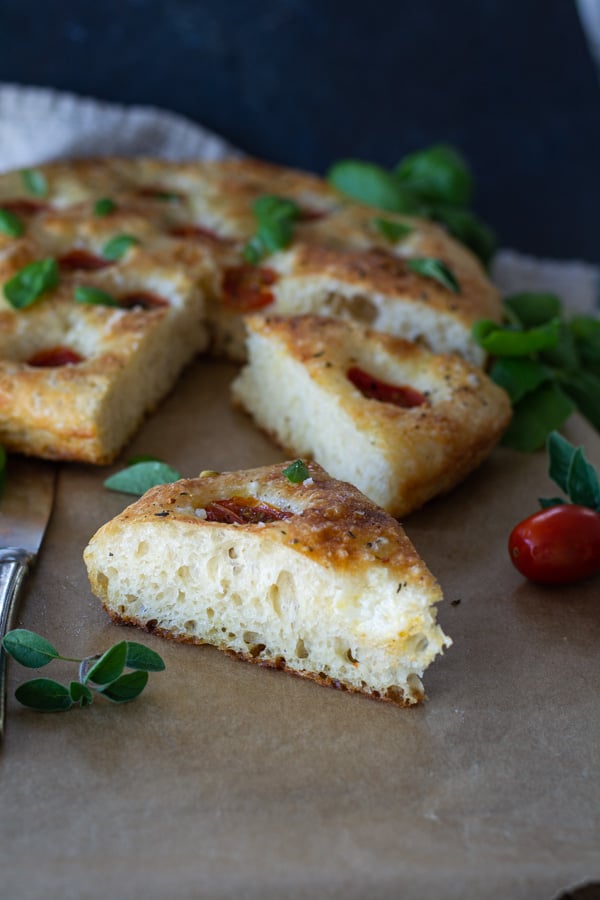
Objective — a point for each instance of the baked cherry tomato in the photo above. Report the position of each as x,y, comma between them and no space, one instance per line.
557,545
374,389
54,357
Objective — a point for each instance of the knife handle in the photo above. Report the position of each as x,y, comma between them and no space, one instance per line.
14,564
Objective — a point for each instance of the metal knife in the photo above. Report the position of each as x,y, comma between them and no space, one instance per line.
25,506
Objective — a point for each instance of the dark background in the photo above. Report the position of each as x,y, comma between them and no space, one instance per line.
305,82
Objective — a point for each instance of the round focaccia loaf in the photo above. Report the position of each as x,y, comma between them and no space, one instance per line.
309,577
401,423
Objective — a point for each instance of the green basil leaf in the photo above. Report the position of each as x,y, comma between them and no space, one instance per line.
586,332
104,207
29,649
35,182
118,246
501,341
31,282
467,228
44,694
275,217
137,479
535,416
533,308
126,688
80,693
547,502
372,185
564,355
518,375
438,173
583,483
392,231
93,296
109,666
436,269
297,472
143,658
10,224
584,389
560,456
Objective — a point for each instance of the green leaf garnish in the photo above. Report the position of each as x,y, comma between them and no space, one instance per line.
297,472
371,184
143,658
572,472
533,308
126,688
35,182
467,228
275,217
584,390
102,674
392,231
10,224
93,296
519,375
110,665
436,269
506,341
539,412
104,207
140,477
438,173
80,693
118,246
44,694
29,649
31,282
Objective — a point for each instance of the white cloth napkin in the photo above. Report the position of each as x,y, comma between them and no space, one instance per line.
39,125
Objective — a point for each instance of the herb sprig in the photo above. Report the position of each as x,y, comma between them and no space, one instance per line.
140,475
571,471
275,218
102,674
548,364
434,183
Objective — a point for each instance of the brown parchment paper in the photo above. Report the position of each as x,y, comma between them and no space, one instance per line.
224,779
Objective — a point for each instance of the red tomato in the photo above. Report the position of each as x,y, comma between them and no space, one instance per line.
54,357
374,389
247,288
557,545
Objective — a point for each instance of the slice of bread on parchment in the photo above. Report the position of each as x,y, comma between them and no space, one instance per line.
401,423
309,577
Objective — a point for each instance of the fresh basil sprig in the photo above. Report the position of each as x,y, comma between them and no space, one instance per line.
571,471
10,224
434,183
139,477
31,282
93,296
118,246
549,366
275,217
297,472
104,207
34,182
101,674
390,230
433,268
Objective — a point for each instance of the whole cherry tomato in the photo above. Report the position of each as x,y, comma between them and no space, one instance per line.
557,545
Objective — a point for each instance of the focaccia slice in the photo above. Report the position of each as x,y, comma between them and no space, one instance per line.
401,423
309,577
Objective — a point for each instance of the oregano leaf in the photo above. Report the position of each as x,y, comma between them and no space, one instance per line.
140,477
143,658
44,694
126,688
29,649
110,665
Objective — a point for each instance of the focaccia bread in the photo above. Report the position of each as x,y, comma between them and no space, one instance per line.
401,423
183,230
309,577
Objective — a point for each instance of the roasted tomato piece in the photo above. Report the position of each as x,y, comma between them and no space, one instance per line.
24,207
197,232
143,300
375,389
247,288
53,357
557,545
82,260
157,192
243,510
